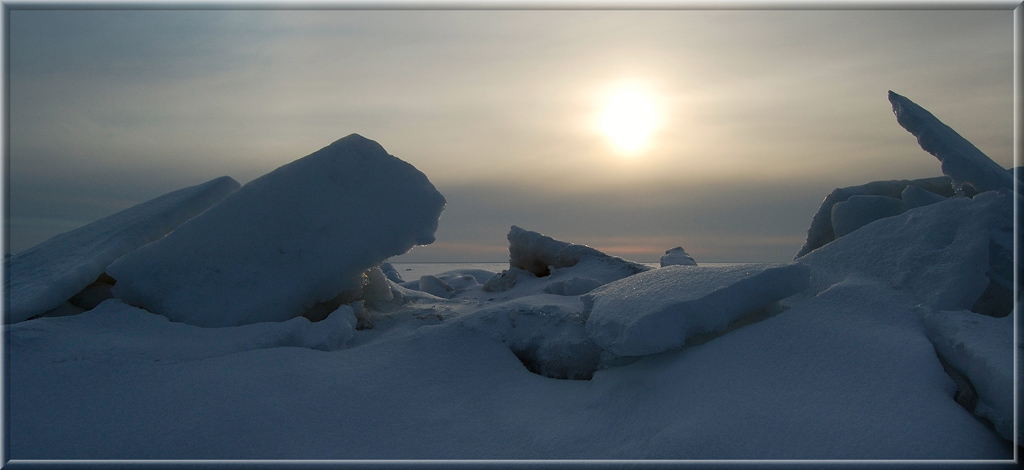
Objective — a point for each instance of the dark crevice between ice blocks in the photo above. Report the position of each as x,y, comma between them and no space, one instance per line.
966,395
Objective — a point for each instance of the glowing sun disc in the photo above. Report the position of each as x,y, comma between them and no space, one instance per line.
628,120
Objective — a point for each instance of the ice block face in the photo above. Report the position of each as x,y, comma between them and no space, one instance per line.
296,237
44,276
659,310
946,254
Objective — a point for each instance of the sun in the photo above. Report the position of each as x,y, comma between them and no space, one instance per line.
628,119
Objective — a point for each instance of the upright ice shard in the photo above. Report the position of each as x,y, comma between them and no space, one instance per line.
961,160
294,240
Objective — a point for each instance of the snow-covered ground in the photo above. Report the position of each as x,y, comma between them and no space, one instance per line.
891,337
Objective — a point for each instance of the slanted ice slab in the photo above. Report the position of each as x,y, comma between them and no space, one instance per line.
961,160
659,310
299,236
46,275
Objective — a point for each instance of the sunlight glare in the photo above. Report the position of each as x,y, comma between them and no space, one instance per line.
628,120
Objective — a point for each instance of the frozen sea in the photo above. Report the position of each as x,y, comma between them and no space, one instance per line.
891,340
413,271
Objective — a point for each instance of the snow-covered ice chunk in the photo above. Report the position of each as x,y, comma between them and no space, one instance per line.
660,309
538,253
916,196
858,211
449,284
299,236
961,160
572,286
505,280
436,287
676,256
114,329
981,348
820,231
545,332
533,255
942,253
44,276
391,273
379,293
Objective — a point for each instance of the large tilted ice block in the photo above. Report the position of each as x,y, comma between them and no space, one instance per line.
946,254
981,348
921,192
961,160
659,310
299,236
46,275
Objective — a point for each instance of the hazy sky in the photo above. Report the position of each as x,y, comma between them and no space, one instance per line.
760,114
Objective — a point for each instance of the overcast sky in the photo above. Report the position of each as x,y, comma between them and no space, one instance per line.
760,114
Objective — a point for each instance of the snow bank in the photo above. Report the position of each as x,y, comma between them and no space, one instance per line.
677,256
44,276
944,253
114,329
821,230
981,348
961,160
848,374
658,310
298,236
